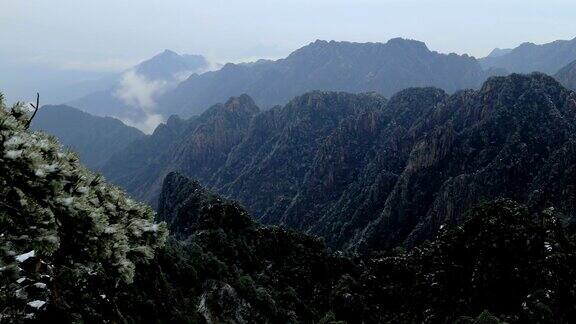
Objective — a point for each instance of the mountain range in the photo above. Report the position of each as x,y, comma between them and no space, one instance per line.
76,249
159,87
132,95
422,205
384,68
362,171
529,57
344,166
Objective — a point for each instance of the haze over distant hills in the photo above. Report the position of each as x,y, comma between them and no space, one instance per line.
132,96
332,66
499,52
149,93
95,139
200,144
567,76
528,57
20,83
157,88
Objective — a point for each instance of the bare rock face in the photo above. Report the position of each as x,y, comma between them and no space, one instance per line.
220,303
501,141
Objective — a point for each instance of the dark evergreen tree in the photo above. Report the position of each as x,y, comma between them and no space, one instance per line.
68,240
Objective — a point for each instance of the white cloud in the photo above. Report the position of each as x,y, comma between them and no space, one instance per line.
137,91
183,75
147,125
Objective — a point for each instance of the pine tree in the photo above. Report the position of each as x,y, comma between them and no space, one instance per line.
68,240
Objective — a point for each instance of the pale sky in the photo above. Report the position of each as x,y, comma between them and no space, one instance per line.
108,35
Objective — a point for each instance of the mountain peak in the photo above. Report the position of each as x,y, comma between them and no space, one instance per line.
322,49
385,68
173,186
406,42
168,63
168,52
242,103
499,52
398,41
319,42
164,55
527,44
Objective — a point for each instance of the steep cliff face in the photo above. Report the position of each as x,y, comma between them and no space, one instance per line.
197,146
364,172
395,174
358,159
501,141
266,173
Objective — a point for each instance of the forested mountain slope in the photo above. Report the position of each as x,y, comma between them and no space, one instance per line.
69,242
501,265
364,172
514,138
75,249
199,145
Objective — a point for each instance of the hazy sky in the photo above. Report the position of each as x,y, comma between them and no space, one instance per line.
109,35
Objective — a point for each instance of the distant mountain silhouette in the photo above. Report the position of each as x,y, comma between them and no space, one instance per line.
499,52
329,66
132,95
95,139
169,63
528,57
567,76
